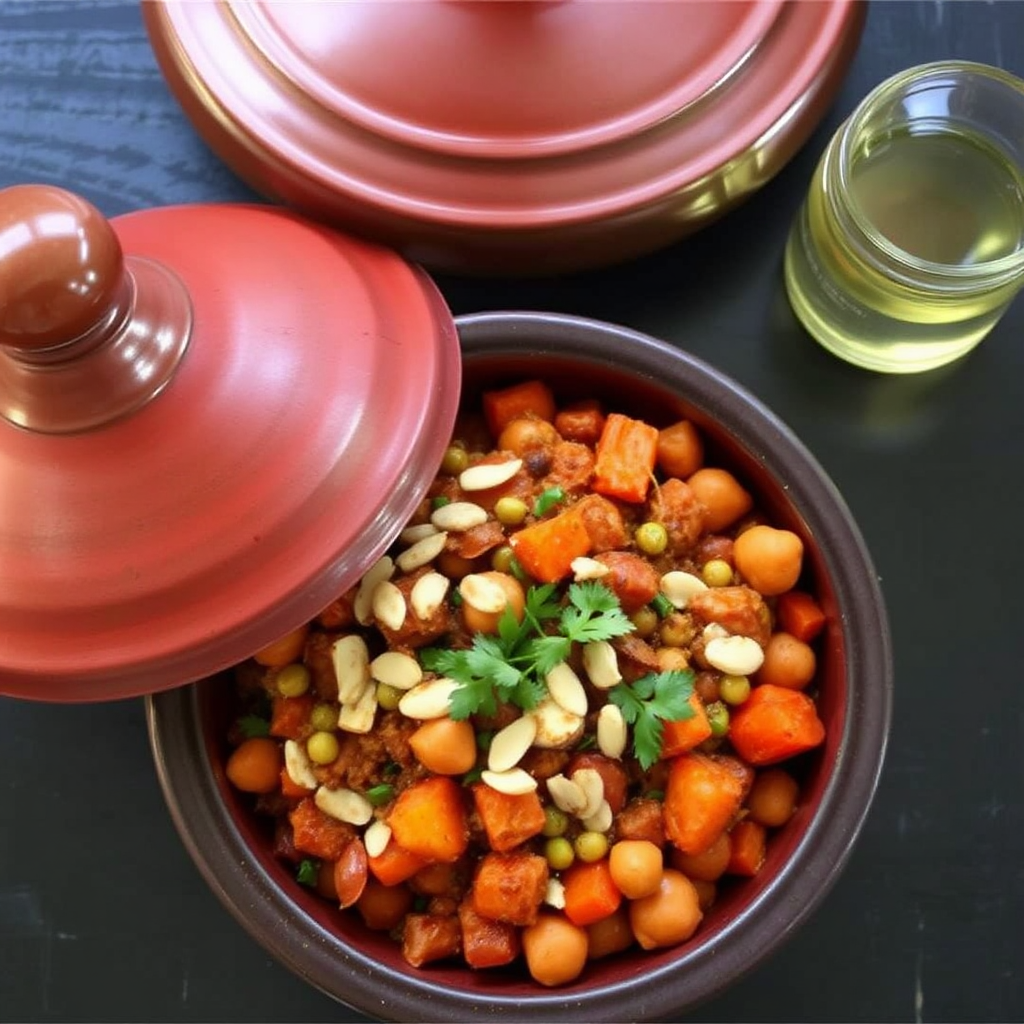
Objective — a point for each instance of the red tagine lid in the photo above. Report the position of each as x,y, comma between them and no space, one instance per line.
213,419
507,135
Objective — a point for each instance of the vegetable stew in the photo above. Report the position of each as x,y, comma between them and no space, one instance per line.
560,714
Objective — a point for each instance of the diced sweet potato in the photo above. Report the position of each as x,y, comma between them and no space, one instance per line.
486,942
429,937
510,887
509,820
703,796
429,819
318,834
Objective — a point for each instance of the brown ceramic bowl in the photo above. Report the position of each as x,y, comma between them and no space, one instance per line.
752,917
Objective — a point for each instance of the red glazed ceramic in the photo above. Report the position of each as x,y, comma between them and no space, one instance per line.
212,420
524,136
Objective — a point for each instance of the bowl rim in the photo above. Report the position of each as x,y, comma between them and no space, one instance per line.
312,952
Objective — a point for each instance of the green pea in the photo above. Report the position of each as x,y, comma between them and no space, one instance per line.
324,717
510,511
718,718
293,680
388,696
645,620
455,460
559,853
323,747
734,689
501,560
717,573
591,846
555,821
651,538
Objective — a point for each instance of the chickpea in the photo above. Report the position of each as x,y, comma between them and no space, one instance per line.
645,620
773,797
636,867
672,659
527,434
611,934
555,949
708,866
668,916
678,629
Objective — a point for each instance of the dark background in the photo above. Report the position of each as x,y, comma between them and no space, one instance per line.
102,914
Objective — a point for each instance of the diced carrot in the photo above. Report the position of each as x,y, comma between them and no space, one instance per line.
530,398
626,454
394,864
508,819
703,794
546,549
775,723
687,733
590,893
800,615
486,943
510,886
582,422
317,833
747,845
291,789
429,819
289,716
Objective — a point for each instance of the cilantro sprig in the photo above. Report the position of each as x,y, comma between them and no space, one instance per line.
649,702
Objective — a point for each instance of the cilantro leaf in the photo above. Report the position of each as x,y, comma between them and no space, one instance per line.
649,702
307,871
548,651
253,725
594,614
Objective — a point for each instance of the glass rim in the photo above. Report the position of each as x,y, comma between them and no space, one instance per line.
1004,268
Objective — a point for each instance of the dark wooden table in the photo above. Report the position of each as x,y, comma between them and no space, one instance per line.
102,914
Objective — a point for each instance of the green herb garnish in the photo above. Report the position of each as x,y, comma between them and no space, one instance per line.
253,725
649,701
307,871
662,605
380,795
440,501
547,500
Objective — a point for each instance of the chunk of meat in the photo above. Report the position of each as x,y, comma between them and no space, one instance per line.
603,522
318,834
641,819
741,610
485,942
571,467
317,658
675,505
637,658
613,775
430,937
633,580
414,631
478,540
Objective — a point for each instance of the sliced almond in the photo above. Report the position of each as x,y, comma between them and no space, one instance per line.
584,568
389,605
556,727
397,669
714,631
411,534
428,594
362,606
486,475
590,782
423,552
567,796
429,699
554,893
483,594
601,664
734,655
351,660
566,689
679,587
600,820
459,516
344,804
510,744
376,838
359,716
611,731
298,765
513,782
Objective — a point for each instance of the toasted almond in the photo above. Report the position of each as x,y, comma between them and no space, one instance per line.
344,804
358,717
458,516
554,893
556,727
483,594
351,660
734,655
513,782
411,534
486,475
600,820
567,796
566,689
376,837
611,731
601,664
508,745
362,606
429,699
592,785
423,552
679,587
388,605
584,568
428,594
298,765
397,669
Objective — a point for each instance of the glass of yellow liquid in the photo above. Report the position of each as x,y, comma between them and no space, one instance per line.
910,244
